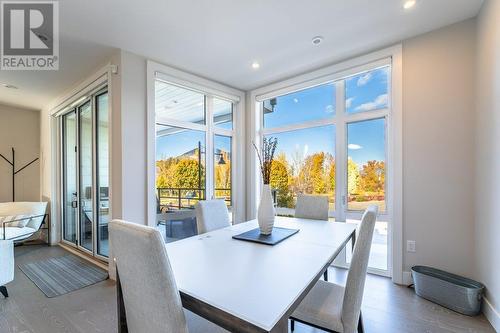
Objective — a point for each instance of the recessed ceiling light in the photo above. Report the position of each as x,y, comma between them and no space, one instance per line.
9,86
255,65
409,4
317,40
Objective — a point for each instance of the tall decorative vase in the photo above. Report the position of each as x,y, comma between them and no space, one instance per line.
266,212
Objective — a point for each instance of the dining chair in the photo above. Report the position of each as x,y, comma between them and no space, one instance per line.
211,215
145,280
334,308
312,207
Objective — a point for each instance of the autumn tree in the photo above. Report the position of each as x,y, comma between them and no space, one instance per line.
318,174
352,176
280,181
330,167
372,177
313,175
164,172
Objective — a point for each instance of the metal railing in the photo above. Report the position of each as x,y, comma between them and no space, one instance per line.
175,198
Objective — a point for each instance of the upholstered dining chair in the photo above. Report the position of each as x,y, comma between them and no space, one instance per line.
335,308
312,207
145,280
211,215
6,265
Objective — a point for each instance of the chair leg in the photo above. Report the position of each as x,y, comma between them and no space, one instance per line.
325,275
3,291
292,324
360,324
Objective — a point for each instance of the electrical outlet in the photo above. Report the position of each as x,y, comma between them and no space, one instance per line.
410,246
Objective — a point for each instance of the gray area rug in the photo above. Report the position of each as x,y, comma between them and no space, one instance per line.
61,275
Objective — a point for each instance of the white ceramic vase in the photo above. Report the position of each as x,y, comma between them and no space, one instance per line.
266,212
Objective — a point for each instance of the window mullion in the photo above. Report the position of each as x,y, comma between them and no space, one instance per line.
209,149
340,153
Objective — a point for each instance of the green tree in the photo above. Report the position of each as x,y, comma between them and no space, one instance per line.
186,174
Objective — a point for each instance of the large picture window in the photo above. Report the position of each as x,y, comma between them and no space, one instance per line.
332,142
193,154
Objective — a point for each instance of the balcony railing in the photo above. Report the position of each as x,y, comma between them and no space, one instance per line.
175,198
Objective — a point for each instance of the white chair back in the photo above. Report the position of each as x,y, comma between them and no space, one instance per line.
25,208
211,215
6,261
356,277
150,295
314,207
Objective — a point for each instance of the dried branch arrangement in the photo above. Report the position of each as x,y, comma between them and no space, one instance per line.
266,156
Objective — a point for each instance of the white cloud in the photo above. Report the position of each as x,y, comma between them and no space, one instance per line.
354,146
364,79
329,109
348,102
381,100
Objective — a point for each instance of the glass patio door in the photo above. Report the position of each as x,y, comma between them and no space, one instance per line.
85,175
70,194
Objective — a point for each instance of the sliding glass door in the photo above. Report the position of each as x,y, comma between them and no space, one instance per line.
85,174
69,168
102,169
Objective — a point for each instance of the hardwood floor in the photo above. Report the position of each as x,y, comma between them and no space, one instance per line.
386,307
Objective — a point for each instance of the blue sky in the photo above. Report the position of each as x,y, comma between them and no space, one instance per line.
364,92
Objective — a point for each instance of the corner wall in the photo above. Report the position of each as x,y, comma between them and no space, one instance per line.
487,157
20,129
438,148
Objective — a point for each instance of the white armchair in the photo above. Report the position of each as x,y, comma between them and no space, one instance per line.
14,209
7,260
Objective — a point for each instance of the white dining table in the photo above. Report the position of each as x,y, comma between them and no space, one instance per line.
249,287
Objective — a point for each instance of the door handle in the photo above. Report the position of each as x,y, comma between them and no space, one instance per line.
74,204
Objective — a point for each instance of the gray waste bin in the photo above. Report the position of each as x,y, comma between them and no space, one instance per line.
449,290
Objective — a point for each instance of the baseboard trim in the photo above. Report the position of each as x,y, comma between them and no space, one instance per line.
98,263
491,314
407,278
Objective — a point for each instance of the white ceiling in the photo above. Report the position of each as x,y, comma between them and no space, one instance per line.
219,39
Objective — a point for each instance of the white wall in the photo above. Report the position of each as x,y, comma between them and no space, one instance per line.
20,128
133,135
438,152
487,157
